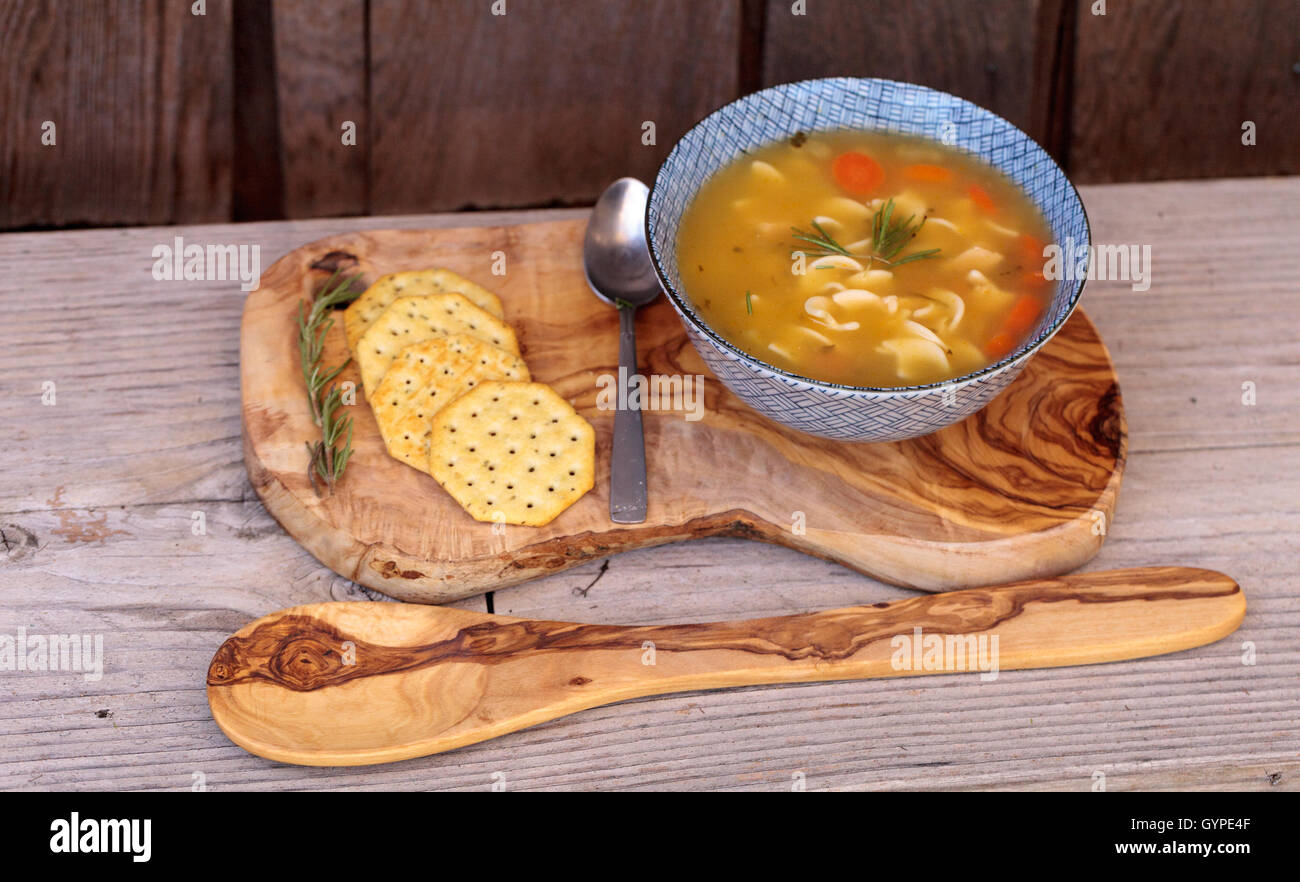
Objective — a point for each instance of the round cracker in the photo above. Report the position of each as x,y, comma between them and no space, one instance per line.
513,453
426,377
413,283
410,320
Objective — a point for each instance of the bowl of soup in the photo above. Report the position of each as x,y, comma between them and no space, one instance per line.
864,259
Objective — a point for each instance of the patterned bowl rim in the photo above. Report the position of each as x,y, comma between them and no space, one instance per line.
685,310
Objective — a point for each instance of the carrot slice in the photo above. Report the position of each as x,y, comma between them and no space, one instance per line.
1023,315
936,174
1032,246
981,198
999,346
857,173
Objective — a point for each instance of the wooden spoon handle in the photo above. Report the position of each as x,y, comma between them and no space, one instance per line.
358,683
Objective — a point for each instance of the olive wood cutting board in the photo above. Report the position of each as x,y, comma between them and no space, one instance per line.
359,683
1024,489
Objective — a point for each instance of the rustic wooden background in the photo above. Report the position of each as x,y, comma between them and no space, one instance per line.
163,116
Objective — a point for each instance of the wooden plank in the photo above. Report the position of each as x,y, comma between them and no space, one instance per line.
321,82
139,94
1162,89
475,110
1052,95
258,180
138,449
1185,348
987,57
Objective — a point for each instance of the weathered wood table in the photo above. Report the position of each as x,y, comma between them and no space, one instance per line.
100,491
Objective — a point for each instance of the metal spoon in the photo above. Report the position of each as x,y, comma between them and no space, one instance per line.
617,263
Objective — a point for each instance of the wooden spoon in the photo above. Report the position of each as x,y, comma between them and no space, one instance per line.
357,683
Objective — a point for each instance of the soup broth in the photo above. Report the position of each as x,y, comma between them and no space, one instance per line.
865,259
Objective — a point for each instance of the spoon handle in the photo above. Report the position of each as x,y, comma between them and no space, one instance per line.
627,501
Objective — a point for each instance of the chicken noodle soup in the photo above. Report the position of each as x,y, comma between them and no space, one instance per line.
866,259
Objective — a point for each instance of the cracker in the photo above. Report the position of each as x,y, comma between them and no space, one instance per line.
415,283
410,320
427,376
514,453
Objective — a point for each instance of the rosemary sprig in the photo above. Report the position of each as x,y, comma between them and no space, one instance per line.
328,456
888,237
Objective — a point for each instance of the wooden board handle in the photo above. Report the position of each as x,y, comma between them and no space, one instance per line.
358,683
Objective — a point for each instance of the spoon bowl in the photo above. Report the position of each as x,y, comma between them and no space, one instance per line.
615,256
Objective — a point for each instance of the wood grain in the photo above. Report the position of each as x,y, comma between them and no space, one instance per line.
538,106
984,53
1161,90
1052,93
1023,489
322,82
356,684
133,449
140,96
258,180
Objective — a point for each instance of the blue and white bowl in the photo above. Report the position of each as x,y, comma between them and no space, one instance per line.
857,413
